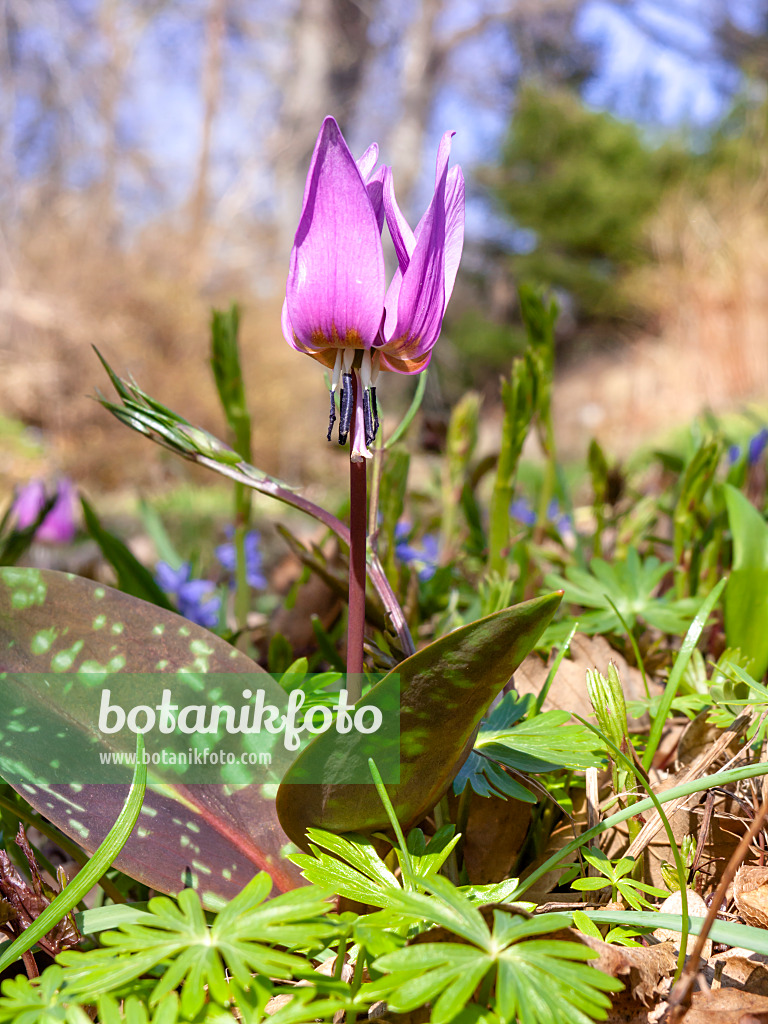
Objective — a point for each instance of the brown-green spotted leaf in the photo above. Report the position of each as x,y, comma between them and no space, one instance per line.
443,692
62,640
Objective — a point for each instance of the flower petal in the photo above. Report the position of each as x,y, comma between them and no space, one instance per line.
327,356
29,503
402,236
59,527
428,260
375,186
454,227
415,302
336,281
367,161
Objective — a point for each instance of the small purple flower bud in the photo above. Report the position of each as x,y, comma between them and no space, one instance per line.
59,525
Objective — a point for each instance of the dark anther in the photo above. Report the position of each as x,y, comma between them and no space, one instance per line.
332,417
345,408
375,408
370,433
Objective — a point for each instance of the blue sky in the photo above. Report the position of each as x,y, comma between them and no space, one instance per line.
637,76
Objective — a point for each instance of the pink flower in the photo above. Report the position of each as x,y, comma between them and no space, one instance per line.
58,527
338,307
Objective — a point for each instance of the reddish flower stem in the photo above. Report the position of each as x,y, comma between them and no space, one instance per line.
357,545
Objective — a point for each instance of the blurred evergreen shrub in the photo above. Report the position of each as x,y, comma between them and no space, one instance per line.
584,183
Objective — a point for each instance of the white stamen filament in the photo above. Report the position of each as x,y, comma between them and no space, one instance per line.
337,370
349,358
365,369
375,368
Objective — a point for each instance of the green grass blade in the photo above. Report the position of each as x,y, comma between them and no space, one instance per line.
69,897
694,786
728,932
681,663
413,408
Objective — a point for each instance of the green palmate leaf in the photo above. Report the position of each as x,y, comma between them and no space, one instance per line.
62,641
40,1003
241,940
353,867
543,743
442,693
488,779
448,975
134,1010
628,588
746,599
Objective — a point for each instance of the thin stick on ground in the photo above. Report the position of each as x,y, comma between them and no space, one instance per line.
681,991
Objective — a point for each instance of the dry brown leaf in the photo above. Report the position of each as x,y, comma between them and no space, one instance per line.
750,891
626,1010
560,837
698,768
739,968
569,687
277,1003
673,904
699,737
496,831
645,969
722,838
727,1006
315,597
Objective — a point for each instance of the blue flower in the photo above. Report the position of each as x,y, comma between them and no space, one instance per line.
756,446
424,558
523,511
196,600
561,521
227,556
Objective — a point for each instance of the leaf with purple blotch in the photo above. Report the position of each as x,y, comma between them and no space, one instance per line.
58,631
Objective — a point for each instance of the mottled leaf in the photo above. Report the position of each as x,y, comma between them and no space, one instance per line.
444,690
60,635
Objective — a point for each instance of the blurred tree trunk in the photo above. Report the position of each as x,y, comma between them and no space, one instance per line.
323,74
215,27
119,48
423,58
